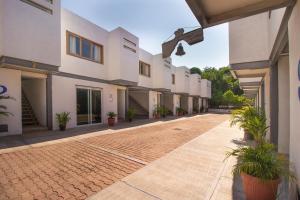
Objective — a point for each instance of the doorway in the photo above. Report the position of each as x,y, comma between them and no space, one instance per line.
88,106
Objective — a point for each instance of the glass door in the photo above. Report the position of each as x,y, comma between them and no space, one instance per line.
88,106
95,106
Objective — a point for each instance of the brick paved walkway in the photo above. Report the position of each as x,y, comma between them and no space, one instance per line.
78,169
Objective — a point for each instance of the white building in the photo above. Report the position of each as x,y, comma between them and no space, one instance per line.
264,38
53,61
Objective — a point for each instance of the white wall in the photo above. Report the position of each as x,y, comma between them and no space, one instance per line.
1,28
294,57
162,72
274,24
248,39
182,79
30,33
35,90
123,63
62,86
176,100
77,25
284,105
152,102
190,105
12,80
195,84
205,88
121,103
146,81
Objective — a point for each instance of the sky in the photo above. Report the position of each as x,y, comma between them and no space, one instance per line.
153,22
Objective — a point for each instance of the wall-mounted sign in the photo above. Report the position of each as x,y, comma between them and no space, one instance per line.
3,89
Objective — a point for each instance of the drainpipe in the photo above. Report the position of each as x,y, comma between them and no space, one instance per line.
49,102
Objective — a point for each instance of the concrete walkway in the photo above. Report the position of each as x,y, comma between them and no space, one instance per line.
196,170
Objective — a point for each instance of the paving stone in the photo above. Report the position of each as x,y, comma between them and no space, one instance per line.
77,169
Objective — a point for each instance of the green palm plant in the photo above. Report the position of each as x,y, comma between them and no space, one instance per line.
3,108
257,126
261,162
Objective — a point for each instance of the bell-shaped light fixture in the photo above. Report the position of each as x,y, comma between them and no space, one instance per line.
180,50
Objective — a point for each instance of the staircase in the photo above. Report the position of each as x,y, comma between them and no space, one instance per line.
28,117
140,111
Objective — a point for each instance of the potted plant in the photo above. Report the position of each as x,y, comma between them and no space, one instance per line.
261,169
164,111
259,165
111,118
242,117
179,111
130,114
156,112
63,118
3,108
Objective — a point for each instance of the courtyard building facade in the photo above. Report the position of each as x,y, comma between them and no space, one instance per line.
53,61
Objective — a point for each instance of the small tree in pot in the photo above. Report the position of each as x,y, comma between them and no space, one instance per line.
259,165
242,117
63,118
261,169
130,114
111,118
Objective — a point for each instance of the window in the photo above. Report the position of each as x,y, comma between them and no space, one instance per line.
84,48
49,1
145,69
173,79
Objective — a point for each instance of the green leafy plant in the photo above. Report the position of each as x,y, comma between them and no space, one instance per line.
111,114
3,108
163,111
63,118
261,161
130,114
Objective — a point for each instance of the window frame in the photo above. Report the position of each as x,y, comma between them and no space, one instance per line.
101,56
140,71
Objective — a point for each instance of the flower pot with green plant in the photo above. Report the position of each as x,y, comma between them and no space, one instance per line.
261,169
259,165
179,111
111,118
156,112
130,114
164,111
63,118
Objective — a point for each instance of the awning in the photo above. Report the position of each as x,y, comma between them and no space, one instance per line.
213,12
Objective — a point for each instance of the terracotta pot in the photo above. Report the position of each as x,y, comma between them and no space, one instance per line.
257,189
130,119
111,121
62,127
156,116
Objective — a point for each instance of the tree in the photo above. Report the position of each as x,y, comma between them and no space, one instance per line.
222,81
195,70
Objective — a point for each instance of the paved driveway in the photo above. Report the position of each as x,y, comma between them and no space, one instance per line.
79,168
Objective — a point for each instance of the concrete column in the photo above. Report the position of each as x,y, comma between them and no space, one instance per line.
274,104
284,105
294,59
49,102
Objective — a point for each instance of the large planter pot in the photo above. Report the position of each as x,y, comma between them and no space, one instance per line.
257,189
62,127
111,121
130,119
156,116
247,135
